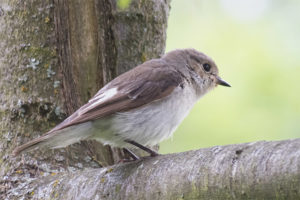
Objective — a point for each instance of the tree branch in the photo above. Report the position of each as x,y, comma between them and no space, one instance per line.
260,170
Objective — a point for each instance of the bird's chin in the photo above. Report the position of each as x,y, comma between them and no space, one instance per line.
208,86
212,86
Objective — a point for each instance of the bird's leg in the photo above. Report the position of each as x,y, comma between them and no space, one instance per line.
131,154
152,153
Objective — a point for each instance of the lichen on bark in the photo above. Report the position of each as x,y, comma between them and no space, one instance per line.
29,83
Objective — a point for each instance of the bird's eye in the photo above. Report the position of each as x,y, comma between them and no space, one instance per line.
206,67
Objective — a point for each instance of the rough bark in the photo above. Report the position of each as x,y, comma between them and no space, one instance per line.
55,55
260,170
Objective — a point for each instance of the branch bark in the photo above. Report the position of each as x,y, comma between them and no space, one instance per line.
259,170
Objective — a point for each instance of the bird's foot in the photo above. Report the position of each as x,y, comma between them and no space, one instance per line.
150,151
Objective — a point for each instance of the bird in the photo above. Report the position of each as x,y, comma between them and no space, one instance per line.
140,107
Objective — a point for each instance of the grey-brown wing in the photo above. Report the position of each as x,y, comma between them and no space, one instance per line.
133,89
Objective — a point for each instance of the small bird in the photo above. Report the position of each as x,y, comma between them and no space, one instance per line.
139,108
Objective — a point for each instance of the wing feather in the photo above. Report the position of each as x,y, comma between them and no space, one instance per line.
148,82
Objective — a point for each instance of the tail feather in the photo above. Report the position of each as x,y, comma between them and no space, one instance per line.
58,139
32,144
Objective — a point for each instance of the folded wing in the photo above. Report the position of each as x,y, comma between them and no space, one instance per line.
148,82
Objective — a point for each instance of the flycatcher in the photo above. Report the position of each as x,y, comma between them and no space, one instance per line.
141,107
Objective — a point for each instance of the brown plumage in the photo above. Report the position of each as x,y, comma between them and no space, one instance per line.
150,81
122,101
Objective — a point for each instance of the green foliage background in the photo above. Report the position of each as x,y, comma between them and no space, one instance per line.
259,57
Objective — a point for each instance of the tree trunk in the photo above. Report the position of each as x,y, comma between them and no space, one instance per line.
54,56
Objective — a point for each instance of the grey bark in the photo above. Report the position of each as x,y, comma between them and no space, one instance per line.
260,170
55,55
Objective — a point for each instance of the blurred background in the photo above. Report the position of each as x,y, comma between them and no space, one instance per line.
256,45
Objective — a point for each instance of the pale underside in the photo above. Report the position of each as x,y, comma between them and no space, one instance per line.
147,125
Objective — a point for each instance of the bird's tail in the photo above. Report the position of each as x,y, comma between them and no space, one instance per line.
58,139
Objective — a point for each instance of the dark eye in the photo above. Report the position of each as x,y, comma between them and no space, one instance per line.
206,67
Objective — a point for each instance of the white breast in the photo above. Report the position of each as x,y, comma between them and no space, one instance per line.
150,124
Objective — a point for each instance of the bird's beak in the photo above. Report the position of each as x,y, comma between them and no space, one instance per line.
222,82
